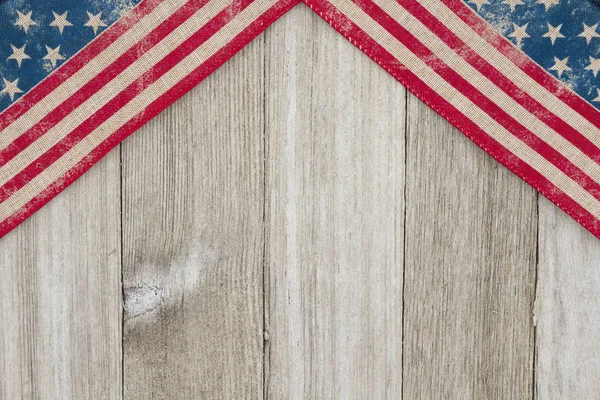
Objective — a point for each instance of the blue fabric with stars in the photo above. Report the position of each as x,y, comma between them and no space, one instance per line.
562,36
36,37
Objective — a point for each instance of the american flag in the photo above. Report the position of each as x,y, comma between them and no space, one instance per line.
518,77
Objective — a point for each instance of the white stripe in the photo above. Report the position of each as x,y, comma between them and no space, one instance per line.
176,74
137,32
498,60
111,90
468,108
491,90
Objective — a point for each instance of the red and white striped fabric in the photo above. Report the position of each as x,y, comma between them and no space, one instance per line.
135,69
456,63
439,49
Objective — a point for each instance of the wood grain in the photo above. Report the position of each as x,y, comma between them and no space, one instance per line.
568,304
335,131
193,189
60,295
469,271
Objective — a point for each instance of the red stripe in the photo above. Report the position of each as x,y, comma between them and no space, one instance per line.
76,62
186,84
360,39
99,81
478,98
474,59
105,112
522,61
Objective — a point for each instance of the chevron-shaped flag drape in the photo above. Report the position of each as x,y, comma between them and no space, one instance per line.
518,77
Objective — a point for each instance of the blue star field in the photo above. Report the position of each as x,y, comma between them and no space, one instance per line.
37,26
572,25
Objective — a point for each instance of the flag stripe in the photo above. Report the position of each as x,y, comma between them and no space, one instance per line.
503,108
66,88
501,81
522,61
510,69
133,89
84,94
437,93
108,99
219,48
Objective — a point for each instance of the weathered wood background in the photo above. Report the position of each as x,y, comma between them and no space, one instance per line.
299,227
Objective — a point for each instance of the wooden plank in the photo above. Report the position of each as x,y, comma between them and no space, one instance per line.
193,189
60,294
335,217
470,268
567,304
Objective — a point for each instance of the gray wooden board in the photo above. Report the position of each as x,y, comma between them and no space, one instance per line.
567,309
60,295
469,271
297,226
193,190
335,208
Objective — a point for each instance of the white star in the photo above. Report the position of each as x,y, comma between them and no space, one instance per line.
589,32
553,33
479,3
548,3
60,21
594,65
18,54
598,97
25,21
53,55
560,66
11,88
94,22
513,3
519,33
